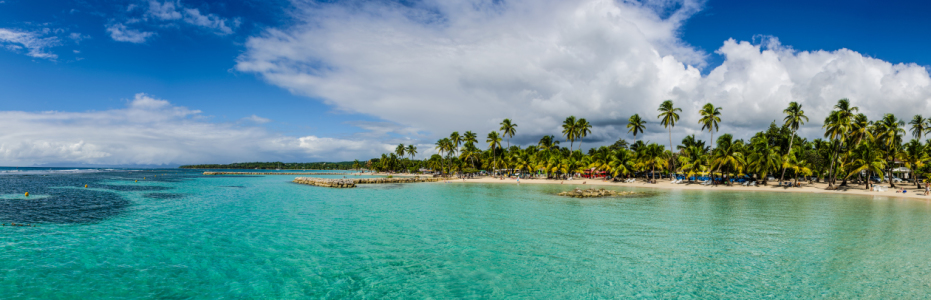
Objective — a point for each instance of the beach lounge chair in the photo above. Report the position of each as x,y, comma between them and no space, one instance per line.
753,183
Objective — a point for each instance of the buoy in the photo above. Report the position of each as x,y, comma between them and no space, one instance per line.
27,194
137,181
143,177
85,186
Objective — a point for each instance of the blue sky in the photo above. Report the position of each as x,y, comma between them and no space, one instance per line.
348,79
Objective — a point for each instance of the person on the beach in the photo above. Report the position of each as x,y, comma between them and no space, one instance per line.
927,190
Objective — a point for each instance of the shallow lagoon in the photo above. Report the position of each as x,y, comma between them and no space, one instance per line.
181,235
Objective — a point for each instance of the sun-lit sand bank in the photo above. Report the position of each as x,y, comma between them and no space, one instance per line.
815,188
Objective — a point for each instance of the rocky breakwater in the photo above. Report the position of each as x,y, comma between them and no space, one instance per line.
593,193
276,173
350,183
326,182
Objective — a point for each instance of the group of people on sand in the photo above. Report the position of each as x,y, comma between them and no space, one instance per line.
905,191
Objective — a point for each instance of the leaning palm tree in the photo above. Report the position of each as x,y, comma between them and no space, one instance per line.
920,126
493,140
583,128
636,125
710,116
795,117
508,129
569,128
669,115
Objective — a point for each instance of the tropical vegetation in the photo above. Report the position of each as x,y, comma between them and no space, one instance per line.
853,149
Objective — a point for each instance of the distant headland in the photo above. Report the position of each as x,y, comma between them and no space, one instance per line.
345,165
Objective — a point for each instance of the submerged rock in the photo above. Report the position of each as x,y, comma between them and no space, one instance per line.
593,193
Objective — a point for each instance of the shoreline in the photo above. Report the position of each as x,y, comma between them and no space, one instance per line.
815,188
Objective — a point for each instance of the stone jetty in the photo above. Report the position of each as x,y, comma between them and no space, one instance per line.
592,193
352,182
276,173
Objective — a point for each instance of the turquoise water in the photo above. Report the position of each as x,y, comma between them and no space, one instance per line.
226,237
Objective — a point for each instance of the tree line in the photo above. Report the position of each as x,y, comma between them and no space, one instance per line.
345,165
852,148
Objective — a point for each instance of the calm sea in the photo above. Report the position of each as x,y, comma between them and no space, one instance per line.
177,234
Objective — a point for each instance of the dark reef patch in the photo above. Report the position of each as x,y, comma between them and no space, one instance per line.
132,188
163,196
69,202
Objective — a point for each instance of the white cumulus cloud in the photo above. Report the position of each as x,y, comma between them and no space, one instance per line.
440,66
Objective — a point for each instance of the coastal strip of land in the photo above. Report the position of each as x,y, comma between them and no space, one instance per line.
813,188
352,182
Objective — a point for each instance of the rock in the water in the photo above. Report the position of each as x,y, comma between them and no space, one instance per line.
592,193
351,183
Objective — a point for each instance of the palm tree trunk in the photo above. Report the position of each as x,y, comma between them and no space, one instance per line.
673,169
791,140
891,184
831,171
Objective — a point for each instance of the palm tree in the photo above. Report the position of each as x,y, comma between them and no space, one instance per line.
569,129
652,156
868,158
837,124
493,140
798,165
920,126
636,125
889,135
915,158
508,129
694,159
583,128
412,151
727,155
764,159
795,117
470,137
456,140
469,151
669,115
444,145
400,150
710,116
548,142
